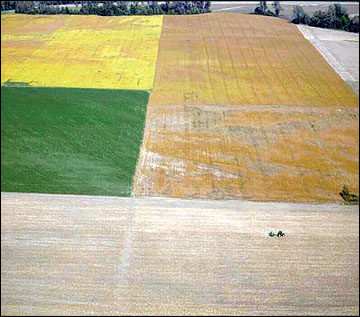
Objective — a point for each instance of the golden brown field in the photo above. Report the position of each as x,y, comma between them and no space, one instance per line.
80,51
245,107
256,152
243,60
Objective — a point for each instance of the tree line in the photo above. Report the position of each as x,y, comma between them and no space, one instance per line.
111,8
336,16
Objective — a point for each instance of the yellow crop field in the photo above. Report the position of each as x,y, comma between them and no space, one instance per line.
243,60
80,51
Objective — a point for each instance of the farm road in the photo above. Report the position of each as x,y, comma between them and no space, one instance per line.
66,255
340,49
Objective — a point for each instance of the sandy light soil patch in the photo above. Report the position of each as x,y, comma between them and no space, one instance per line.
66,255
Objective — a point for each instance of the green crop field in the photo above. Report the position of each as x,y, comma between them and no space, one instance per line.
70,141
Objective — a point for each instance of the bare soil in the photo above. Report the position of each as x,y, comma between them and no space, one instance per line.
82,255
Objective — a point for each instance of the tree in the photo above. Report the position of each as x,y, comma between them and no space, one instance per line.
349,198
132,9
338,17
154,6
107,8
277,7
263,9
25,7
319,19
299,16
263,6
165,6
354,24
207,6
340,11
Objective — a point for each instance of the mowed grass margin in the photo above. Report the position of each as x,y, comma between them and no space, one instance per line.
70,141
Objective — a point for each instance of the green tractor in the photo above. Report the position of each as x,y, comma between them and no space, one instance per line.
279,234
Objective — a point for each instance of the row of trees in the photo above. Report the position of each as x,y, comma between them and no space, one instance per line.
110,8
336,17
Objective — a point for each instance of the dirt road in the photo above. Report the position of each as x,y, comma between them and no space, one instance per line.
67,255
340,49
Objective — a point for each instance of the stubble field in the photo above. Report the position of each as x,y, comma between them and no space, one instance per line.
254,153
244,107
235,59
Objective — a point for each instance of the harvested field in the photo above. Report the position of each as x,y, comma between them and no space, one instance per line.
256,152
244,107
74,141
71,255
80,51
243,60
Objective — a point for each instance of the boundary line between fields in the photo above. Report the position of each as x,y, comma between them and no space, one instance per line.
185,201
79,88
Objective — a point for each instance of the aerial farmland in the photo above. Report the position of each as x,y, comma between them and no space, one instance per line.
250,116
145,158
116,53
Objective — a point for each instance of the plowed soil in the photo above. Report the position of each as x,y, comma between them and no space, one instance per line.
71,255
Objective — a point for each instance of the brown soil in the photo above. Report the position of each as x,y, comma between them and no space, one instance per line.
76,255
